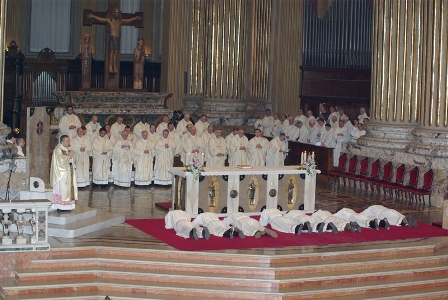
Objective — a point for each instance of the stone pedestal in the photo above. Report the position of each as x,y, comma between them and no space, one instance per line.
6,240
445,214
20,240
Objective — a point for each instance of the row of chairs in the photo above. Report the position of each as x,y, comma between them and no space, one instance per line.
373,181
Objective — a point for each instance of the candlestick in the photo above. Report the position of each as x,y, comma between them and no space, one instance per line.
188,158
202,158
312,156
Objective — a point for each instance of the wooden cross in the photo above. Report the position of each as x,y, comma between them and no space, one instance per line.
113,19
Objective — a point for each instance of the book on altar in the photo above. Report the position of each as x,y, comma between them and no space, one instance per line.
244,167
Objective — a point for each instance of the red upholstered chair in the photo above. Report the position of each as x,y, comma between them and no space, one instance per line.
387,175
426,188
362,172
413,180
399,178
353,161
374,174
339,169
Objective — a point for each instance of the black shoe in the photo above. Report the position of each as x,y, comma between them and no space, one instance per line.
320,228
194,234
333,228
298,229
349,227
308,227
386,224
412,221
205,233
377,224
238,232
356,226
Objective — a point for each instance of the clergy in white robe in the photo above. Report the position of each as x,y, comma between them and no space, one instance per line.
201,125
206,135
193,145
290,129
117,128
277,150
333,113
357,132
165,148
257,148
152,134
122,161
217,150
362,115
248,225
276,126
328,139
285,123
342,136
267,122
215,226
20,146
392,216
173,135
163,125
180,221
303,133
259,123
350,215
63,176
102,153
341,115
182,125
229,140
81,146
140,127
309,117
93,128
313,130
69,123
239,148
300,117
275,218
334,122
321,126
330,222
143,158
300,217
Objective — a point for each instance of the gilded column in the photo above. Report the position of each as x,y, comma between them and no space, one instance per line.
431,134
397,69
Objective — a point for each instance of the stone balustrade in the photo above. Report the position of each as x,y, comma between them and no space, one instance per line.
24,225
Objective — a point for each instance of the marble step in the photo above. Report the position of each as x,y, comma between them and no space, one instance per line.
230,292
80,213
218,279
100,221
420,294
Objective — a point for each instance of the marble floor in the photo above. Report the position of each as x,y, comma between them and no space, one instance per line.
138,202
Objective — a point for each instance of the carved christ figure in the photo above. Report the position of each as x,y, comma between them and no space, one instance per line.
114,23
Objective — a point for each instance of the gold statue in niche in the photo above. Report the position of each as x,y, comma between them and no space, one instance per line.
291,192
213,194
252,193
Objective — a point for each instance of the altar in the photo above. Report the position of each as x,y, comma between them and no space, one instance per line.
230,189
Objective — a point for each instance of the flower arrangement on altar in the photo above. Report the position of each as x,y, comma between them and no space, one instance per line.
309,164
195,166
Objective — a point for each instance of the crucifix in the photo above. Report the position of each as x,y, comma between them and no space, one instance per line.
113,19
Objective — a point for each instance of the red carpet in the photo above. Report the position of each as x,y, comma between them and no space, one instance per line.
165,206
156,228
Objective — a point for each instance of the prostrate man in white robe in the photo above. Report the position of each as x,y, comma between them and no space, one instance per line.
217,150
93,128
303,133
327,222
180,221
342,136
117,128
193,145
163,125
229,140
259,123
300,217
216,226
389,215
300,117
328,139
363,115
122,161
357,220
69,123
267,122
275,218
277,150
357,132
239,148
102,153
143,157
248,225
258,147
276,126
201,125
81,147
313,132
140,127
152,134
182,125
164,152
63,176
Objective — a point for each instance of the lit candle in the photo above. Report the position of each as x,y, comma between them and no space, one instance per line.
188,158
202,158
312,156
